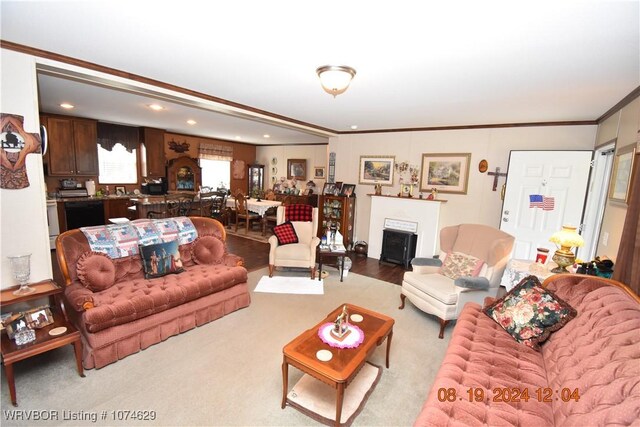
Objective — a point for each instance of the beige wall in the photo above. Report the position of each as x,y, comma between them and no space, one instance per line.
316,155
624,126
480,204
23,224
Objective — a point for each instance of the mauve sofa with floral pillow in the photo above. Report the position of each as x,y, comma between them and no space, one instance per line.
120,312
586,373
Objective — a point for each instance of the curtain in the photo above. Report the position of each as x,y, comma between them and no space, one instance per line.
109,135
215,152
627,268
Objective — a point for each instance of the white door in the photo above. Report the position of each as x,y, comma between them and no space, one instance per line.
560,179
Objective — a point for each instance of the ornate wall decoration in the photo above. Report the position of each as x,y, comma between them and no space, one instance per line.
16,144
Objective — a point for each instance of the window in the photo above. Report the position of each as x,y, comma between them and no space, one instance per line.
215,173
117,166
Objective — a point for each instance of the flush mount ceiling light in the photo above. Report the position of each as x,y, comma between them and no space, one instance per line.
67,106
156,107
191,122
335,79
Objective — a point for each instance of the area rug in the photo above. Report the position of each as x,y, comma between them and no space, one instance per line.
318,400
290,285
252,235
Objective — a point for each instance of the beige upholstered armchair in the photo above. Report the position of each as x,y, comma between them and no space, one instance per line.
301,254
443,296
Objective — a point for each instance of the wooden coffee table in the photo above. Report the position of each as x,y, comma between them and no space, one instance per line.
345,363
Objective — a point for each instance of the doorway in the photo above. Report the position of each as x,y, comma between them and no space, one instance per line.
596,200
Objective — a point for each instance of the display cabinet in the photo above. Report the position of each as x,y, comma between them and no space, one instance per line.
256,179
339,210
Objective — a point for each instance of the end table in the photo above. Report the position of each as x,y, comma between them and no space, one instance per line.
12,353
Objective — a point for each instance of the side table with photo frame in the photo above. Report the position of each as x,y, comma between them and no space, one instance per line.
54,333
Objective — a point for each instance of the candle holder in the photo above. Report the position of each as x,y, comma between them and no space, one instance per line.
21,269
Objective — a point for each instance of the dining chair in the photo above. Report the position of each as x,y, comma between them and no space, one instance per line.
243,214
178,204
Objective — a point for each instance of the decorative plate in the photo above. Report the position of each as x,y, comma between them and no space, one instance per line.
57,331
324,355
483,166
274,160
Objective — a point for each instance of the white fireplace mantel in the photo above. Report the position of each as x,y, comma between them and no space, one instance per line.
424,212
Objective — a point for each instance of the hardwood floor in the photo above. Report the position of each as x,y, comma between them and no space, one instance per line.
256,255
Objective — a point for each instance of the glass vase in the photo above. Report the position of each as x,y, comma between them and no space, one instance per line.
21,269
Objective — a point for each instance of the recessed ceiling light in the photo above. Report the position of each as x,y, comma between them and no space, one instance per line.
354,127
191,122
238,137
266,135
67,106
156,107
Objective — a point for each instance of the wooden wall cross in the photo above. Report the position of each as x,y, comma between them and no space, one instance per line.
496,175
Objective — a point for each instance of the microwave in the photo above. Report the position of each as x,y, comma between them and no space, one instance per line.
154,188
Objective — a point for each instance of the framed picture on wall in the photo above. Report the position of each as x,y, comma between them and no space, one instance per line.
297,169
446,172
621,177
376,170
319,172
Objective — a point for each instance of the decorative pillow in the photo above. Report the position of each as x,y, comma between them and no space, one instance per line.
161,259
529,312
472,282
96,271
431,262
298,212
285,233
457,264
208,250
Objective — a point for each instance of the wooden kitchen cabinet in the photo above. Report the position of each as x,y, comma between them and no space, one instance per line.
73,146
118,208
153,140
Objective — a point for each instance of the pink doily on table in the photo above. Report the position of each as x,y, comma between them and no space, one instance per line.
353,340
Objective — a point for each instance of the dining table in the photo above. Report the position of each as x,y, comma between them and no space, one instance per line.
254,205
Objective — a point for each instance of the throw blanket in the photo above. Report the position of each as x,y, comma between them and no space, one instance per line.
122,240
298,213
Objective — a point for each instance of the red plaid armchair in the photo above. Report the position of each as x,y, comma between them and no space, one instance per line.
301,254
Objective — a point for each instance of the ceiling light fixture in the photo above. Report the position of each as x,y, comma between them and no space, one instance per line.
156,107
238,137
335,79
266,135
67,106
354,127
191,122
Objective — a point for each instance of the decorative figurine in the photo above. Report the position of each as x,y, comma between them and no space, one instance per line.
341,325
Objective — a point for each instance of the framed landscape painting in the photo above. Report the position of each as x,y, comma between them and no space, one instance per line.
621,177
446,172
376,170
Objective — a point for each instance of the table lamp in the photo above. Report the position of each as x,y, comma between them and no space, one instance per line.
566,239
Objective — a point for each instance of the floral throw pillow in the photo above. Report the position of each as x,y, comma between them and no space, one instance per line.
457,264
529,312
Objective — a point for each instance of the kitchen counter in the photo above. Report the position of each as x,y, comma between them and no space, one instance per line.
90,198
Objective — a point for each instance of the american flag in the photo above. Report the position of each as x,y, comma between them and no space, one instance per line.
540,201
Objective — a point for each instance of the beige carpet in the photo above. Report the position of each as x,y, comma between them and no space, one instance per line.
228,372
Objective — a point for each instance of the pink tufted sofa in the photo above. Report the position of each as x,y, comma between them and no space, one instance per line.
135,313
596,353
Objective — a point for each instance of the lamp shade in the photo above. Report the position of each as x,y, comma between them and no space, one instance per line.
335,79
567,238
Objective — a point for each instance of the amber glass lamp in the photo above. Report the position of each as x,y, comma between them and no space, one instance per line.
565,239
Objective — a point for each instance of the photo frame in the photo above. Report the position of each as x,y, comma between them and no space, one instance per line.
621,176
121,190
13,323
348,190
39,317
328,189
446,172
297,169
376,170
319,172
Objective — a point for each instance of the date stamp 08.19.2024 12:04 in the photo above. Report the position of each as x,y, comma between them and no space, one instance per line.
510,394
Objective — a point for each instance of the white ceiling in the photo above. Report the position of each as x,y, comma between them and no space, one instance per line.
419,64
